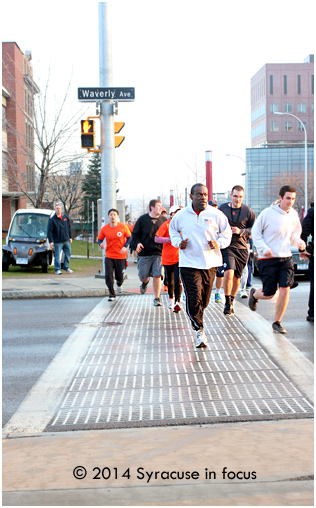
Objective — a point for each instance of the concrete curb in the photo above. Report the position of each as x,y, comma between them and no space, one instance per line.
292,361
60,293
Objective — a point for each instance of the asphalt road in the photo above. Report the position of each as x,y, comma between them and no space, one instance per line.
299,331
33,331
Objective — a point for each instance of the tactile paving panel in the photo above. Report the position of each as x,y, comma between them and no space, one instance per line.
142,368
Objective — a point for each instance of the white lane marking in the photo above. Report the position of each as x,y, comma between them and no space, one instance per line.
39,406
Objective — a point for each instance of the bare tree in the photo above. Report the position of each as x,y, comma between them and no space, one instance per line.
45,145
67,189
297,180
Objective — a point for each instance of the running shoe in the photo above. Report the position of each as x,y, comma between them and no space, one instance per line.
243,294
165,288
157,302
118,289
111,299
252,302
177,307
170,303
201,339
218,298
143,287
278,328
229,309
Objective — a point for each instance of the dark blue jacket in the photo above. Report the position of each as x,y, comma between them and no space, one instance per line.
59,230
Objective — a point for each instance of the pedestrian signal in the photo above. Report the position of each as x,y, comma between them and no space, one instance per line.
87,134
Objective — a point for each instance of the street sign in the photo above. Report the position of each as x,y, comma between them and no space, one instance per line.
89,94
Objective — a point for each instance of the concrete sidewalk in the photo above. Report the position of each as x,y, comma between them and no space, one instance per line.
277,456
273,459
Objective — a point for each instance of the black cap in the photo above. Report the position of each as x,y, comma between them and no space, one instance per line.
212,202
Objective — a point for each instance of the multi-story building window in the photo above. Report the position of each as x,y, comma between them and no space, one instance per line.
271,85
274,127
312,83
274,108
288,107
4,119
285,85
301,107
4,164
288,126
299,84
300,126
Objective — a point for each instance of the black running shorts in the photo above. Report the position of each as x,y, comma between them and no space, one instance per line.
235,259
274,272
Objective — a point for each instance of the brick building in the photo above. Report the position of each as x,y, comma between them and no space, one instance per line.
286,88
277,156
18,90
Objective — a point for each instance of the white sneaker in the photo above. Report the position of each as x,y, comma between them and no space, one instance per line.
243,294
118,289
58,272
68,270
201,339
170,303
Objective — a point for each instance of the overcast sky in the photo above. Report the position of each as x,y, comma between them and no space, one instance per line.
190,63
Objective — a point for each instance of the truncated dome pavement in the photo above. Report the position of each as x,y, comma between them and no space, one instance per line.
143,369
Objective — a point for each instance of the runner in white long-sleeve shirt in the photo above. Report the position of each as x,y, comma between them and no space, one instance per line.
200,231
275,230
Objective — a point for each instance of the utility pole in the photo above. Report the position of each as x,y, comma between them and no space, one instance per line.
108,194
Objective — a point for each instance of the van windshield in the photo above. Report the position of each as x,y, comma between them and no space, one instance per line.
30,225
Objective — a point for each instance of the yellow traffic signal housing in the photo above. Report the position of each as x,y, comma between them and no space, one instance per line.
118,141
118,126
87,134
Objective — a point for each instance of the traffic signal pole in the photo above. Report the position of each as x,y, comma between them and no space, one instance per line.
108,194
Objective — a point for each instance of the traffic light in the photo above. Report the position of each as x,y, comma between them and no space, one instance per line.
87,134
118,126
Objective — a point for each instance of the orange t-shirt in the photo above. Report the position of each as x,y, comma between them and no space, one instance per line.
170,255
115,239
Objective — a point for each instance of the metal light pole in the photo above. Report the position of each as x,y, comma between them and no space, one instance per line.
246,174
108,196
305,137
107,111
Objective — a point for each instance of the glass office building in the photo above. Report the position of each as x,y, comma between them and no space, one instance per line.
265,167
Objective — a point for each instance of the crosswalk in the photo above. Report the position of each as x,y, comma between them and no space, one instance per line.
132,364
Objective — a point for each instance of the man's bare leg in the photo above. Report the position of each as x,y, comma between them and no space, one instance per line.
228,282
281,304
157,286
